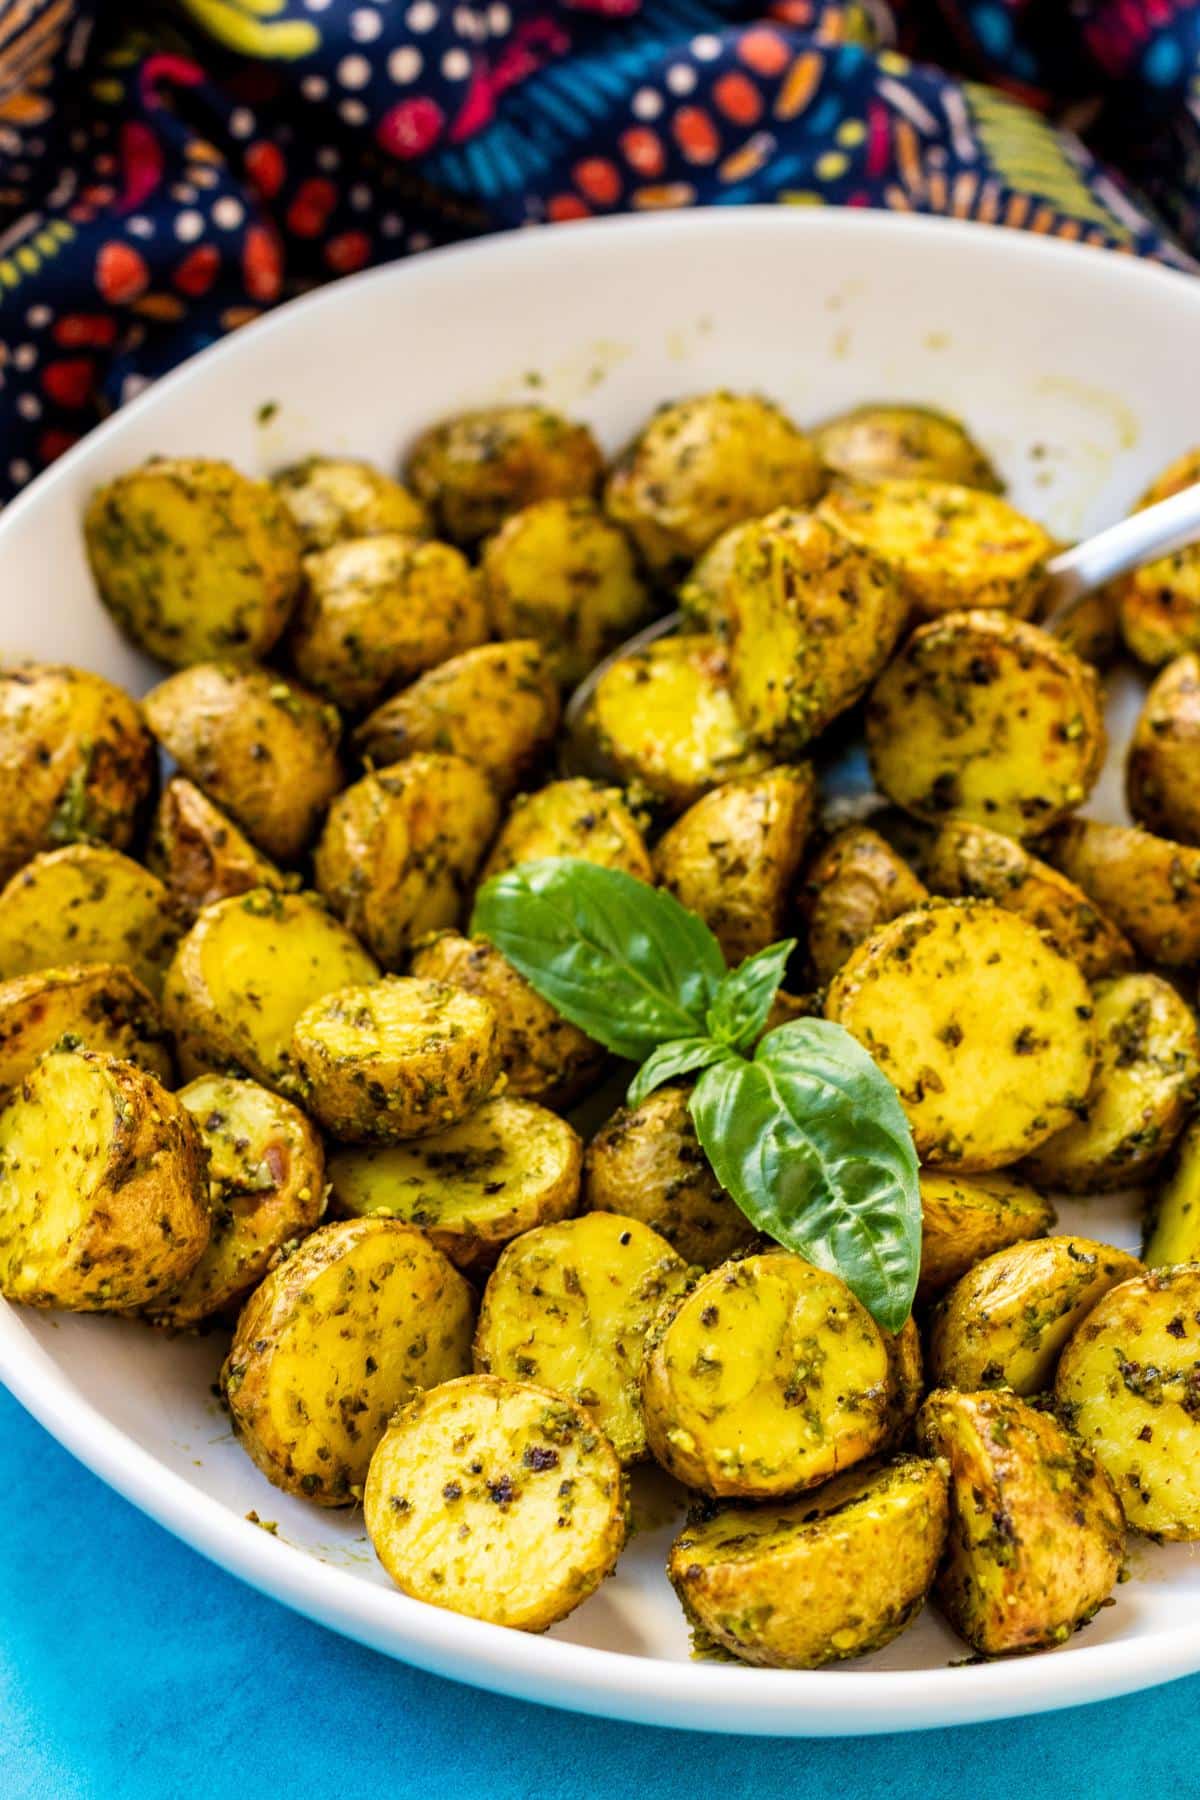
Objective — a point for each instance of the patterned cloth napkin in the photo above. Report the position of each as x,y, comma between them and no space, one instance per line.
168,172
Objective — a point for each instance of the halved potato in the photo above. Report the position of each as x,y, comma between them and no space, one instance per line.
1173,1220
1146,1082
989,718
498,1500
703,595
335,497
872,443
475,468
396,1059
1160,602
837,1574
766,1378
1162,773
571,818
1147,885
400,849
85,1006
964,1220
906,1378
984,1028
1089,626
200,855
856,884
364,1315
84,904
1036,1537
568,1306
1128,1383
509,1167
104,1200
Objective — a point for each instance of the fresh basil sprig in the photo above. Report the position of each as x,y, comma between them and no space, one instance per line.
806,1134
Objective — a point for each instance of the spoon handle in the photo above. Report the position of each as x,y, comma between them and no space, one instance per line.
1143,537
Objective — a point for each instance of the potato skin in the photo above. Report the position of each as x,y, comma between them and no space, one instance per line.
982,1025
76,762
82,1006
334,497
872,443
510,1487
261,748
1160,602
400,848
1172,1232
1088,627
200,856
365,1314
1148,886
497,706
105,1199
86,903
646,1163
963,1221
475,468
857,883
571,818
1162,770
1004,1323
376,611
734,854
835,1575
1127,1382
193,560
1036,1536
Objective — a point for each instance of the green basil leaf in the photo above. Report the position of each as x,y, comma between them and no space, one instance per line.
745,997
670,1060
811,1141
622,960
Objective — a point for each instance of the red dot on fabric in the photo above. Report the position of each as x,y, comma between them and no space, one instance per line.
79,331
350,251
738,98
598,179
311,207
69,382
141,163
566,206
266,168
411,128
643,150
262,264
52,443
696,134
121,273
763,50
198,270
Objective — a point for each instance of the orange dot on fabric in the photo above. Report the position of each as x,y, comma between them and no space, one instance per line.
262,264
566,206
198,270
763,50
643,150
696,134
738,98
121,273
349,251
265,168
85,331
596,177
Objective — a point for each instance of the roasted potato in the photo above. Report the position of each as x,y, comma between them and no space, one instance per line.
542,1056
1088,626
768,1377
1127,1381
245,972
918,443
1004,1323
962,1221
1036,1536
335,497
810,620
76,762
733,856
1160,602
906,1381
496,1499
563,574
104,1200
396,1059
86,904
703,595
193,560
266,1184
983,1026
986,717
1146,1082
365,1314
1162,772
571,818
969,861
698,466
1173,1220
85,1006
509,1167
837,1574
646,1163
200,855
568,1306
475,468
261,748
1148,886
857,883
374,612
496,706
400,849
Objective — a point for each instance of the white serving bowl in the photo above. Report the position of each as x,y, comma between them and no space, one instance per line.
1078,372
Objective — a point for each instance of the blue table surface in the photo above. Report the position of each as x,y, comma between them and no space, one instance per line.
131,1666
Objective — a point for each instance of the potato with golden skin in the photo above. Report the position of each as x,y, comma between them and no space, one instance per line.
83,1006
331,498
83,904
76,762
571,818
374,612
856,884
193,560
400,849
1088,626
200,855
1148,886
767,1378
983,1027
837,1574
733,856
1172,1232
1162,769
986,717
362,1317
1160,602
1146,1082
1127,1382
263,749
1004,1323
475,468
646,1163
917,443
104,1200
1037,1537
498,1500
703,595
964,1220
568,1306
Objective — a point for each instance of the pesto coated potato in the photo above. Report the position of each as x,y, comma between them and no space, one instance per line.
475,468
264,750
1160,602
200,855
1173,1220
84,1006
1162,771
857,883
571,818
365,1314
703,595
86,904
334,497
1148,886
193,560
496,1499
964,1220
837,1574
1088,626
104,1201
870,443
1036,1537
